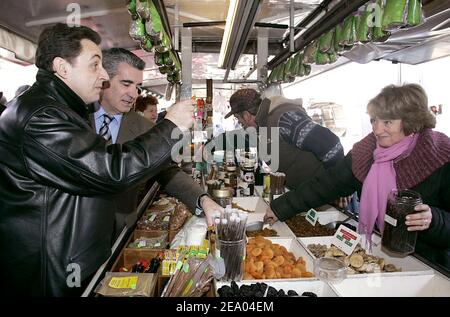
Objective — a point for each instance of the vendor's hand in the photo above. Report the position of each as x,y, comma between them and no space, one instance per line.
270,216
209,206
419,221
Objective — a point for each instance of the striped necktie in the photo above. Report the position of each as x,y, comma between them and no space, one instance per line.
104,129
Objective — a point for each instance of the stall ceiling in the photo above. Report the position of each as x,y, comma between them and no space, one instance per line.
110,18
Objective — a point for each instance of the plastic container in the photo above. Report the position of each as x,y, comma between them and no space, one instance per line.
396,237
330,270
233,254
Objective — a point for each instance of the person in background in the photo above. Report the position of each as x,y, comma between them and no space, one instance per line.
21,89
402,152
58,178
147,106
305,148
126,75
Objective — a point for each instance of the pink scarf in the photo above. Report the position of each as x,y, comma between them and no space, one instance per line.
380,180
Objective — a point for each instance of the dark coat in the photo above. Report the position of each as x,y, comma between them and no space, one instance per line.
57,180
298,164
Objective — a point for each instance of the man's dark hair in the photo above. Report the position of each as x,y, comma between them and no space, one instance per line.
61,40
116,55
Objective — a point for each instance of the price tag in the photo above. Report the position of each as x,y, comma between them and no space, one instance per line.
166,219
312,216
390,220
152,218
129,282
346,239
186,268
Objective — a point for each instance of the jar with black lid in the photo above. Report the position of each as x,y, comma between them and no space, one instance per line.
223,197
396,237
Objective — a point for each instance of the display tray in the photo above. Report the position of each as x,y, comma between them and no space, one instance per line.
292,245
319,288
325,217
155,233
259,206
253,204
380,285
408,264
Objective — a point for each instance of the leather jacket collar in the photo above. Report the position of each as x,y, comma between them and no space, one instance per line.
57,89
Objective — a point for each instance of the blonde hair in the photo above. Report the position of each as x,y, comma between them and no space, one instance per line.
408,103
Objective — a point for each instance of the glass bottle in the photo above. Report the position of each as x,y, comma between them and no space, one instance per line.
396,237
223,197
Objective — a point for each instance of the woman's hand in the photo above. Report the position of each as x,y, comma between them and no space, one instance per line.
270,216
419,221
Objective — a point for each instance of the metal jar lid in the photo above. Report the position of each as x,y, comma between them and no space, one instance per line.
222,193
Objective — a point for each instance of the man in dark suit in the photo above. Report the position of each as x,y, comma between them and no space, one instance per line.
126,74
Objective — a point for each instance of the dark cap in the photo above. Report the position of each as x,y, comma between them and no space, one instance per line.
244,100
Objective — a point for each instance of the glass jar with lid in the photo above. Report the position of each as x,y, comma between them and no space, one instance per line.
396,237
223,197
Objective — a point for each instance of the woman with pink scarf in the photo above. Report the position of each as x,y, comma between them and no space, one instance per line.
402,152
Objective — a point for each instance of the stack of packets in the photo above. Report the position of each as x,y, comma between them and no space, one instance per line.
180,255
122,284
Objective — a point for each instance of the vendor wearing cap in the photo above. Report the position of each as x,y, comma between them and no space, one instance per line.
305,148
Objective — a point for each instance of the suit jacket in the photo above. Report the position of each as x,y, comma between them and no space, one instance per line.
175,182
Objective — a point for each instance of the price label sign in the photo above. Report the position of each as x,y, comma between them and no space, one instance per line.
312,216
346,239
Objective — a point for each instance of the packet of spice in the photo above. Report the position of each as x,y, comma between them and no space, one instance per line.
124,284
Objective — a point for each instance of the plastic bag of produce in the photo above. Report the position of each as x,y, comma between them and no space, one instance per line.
326,42
149,28
295,64
150,243
307,70
301,70
272,76
332,57
395,14
322,58
338,38
159,58
147,45
299,63
131,6
179,217
310,53
287,68
348,32
415,13
280,74
365,30
143,9
137,30
378,34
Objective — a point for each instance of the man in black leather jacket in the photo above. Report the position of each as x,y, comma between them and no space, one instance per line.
58,177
